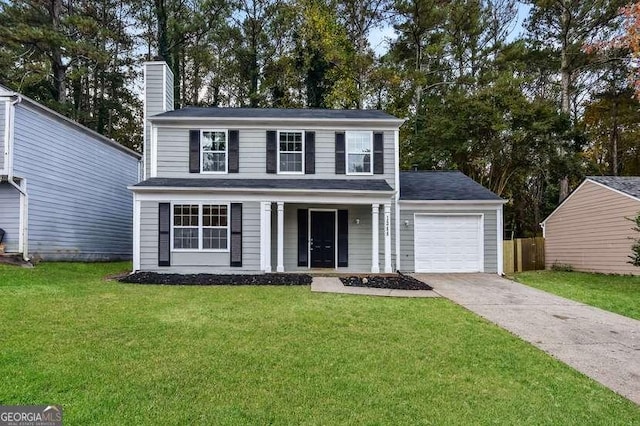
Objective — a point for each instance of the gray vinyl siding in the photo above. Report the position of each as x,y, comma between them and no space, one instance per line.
3,107
359,237
157,89
200,262
10,216
79,205
173,155
406,238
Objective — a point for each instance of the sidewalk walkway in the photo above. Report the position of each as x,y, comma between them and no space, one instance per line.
334,285
600,344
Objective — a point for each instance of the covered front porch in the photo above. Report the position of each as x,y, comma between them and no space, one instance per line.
303,236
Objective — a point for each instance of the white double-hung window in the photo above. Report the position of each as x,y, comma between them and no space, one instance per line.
201,227
359,152
213,146
290,151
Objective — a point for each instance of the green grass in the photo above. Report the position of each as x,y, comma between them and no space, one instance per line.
114,353
615,293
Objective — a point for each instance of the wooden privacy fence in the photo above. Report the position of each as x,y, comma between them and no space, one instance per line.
523,254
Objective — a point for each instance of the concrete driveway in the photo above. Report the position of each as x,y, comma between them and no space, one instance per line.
602,345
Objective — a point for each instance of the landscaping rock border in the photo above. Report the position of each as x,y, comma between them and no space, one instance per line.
395,282
215,279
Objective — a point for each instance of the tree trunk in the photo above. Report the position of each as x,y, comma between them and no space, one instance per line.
58,68
565,73
614,141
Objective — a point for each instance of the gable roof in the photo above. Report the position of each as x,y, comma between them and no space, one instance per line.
449,185
6,92
625,185
276,113
629,185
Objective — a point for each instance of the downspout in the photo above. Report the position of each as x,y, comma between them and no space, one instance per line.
24,196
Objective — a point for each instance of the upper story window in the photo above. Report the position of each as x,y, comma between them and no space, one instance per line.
201,227
290,151
213,144
359,151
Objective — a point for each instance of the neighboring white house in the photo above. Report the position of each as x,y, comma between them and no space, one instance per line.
260,190
63,187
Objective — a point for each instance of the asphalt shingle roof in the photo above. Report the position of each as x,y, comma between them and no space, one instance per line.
627,184
442,185
282,113
311,184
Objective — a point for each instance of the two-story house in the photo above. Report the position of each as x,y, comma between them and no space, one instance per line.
260,190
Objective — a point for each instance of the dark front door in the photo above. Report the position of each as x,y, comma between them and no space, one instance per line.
323,239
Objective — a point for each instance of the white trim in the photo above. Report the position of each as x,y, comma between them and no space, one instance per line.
153,151
164,87
266,212
396,186
304,143
301,197
388,123
144,122
280,248
353,193
375,236
136,233
226,152
23,239
453,202
200,227
499,238
335,236
262,124
346,153
5,154
480,237
387,238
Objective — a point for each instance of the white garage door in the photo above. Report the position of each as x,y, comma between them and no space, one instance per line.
448,243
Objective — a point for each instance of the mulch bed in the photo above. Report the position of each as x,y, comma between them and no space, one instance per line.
395,282
214,279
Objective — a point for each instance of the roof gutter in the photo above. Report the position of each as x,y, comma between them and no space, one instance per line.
351,192
387,121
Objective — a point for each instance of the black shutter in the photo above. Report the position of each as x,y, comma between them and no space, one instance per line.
303,233
164,234
234,151
272,152
309,153
343,238
340,170
194,151
236,234
378,153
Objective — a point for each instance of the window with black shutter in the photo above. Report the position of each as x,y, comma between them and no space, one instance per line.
236,235
164,234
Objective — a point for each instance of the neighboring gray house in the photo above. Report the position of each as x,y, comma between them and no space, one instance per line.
63,187
261,190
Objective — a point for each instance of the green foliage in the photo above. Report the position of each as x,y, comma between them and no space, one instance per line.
635,248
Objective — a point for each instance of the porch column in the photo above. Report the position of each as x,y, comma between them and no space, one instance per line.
280,265
387,238
375,218
266,236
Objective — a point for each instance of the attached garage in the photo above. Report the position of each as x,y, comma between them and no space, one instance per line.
448,243
448,224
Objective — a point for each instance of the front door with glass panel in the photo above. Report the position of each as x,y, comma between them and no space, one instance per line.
323,239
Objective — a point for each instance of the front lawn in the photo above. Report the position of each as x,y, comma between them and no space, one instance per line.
115,353
615,293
